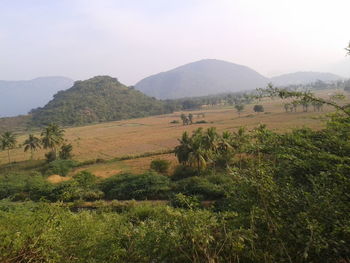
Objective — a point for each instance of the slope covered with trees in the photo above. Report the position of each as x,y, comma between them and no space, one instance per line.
97,99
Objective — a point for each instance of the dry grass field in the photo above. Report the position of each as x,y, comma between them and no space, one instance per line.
151,134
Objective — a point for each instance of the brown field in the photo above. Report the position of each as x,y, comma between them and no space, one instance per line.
156,133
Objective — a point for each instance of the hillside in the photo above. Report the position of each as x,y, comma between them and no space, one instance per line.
19,97
98,99
303,78
201,78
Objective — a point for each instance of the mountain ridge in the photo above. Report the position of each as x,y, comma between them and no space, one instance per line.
201,78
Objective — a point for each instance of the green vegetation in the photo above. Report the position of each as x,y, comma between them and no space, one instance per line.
8,142
96,100
237,196
160,166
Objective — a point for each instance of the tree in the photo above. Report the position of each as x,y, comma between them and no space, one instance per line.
190,118
239,108
66,151
184,119
258,108
8,142
52,136
32,143
182,151
287,107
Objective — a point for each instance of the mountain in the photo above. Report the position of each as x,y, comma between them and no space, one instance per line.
98,99
19,97
303,78
201,78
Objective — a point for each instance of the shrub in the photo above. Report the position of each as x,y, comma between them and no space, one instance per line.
201,121
184,201
160,166
182,172
174,122
140,187
61,167
258,108
199,186
50,156
19,187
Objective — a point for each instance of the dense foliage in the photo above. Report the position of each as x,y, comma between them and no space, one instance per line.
97,99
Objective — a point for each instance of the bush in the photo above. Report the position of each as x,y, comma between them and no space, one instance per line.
182,172
60,167
160,166
184,201
19,187
50,156
200,186
258,108
140,187
200,122
174,122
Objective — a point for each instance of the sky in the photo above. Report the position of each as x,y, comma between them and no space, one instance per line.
132,39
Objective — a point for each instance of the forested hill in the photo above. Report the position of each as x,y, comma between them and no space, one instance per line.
202,78
98,99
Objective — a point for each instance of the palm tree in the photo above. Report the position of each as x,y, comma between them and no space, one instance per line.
32,144
8,142
183,150
198,155
52,137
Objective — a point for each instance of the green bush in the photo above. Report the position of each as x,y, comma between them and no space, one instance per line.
140,187
160,166
182,172
19,187
199,186
60,167
184,201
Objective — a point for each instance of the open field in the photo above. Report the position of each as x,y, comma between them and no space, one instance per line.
151,134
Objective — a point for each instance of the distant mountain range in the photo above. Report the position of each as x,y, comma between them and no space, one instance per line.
210,76
19,97
201,78
204,77
303,78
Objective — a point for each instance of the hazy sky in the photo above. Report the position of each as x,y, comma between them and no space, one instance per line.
132,39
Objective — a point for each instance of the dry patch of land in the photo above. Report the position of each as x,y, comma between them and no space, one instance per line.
137,136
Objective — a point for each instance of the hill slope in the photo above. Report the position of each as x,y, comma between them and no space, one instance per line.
97,99
19,97
201,78
303,78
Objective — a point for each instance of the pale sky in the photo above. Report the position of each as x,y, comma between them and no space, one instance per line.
132,39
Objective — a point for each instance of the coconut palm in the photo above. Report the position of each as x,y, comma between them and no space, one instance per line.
32,143
52,137
183,149
8,142
198,155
